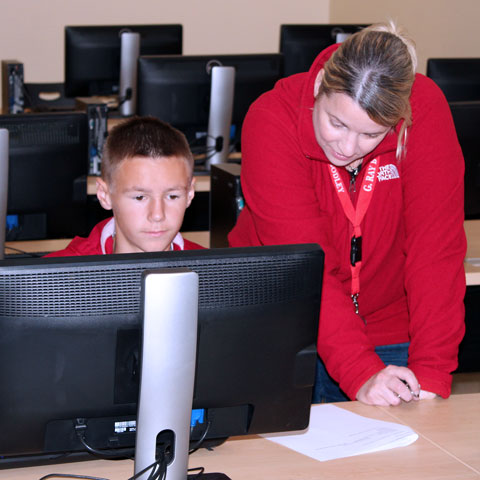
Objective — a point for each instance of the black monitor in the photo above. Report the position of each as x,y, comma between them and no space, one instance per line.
300,44
176,88
92,54
466,116
48,164
70,332
458,78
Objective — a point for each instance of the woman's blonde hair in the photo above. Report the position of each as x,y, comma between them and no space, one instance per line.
376,68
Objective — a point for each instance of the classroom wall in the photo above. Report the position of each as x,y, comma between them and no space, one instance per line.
440,28
31,31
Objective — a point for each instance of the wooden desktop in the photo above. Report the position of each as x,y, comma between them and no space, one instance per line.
448,447
472,261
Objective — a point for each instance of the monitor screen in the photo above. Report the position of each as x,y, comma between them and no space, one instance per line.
458,78
300,44
48,164
92,54
70,348
176,88
466,116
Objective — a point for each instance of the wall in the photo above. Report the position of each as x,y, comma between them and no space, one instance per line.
441,28
31,31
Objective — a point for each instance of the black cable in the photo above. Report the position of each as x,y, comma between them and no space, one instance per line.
26,95
197,445
71,475
30,254
158,469
80,429
128,96
201,470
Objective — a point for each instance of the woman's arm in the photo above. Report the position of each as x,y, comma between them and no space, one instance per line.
433,179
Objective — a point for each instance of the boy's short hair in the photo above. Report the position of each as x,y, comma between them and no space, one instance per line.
144,137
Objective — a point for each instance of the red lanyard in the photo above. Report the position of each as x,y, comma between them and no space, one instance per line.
355,216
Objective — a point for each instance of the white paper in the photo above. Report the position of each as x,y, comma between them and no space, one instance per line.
334,432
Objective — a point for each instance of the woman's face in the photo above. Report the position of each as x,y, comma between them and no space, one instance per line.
344,130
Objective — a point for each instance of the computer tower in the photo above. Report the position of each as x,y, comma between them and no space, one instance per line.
97,114
12,87
226,202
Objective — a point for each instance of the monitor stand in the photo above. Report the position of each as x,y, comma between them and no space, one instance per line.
167,370
129,52
167,373
220,114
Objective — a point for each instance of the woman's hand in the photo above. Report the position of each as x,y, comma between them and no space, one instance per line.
390,386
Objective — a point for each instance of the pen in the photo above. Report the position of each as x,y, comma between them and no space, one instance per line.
416,395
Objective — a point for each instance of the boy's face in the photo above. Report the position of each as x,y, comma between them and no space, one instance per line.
148,197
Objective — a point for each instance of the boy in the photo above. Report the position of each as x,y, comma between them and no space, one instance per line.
147,181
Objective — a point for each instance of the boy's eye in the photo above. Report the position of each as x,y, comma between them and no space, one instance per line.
139,197
173,196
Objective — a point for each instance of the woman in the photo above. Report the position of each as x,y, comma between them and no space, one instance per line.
360,155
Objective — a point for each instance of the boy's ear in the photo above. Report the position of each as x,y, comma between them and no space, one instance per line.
191,192
318,82
103,194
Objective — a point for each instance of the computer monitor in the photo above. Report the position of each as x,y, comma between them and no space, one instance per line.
466,116
458,78
70,332
300,44
92,54
176,88
47,172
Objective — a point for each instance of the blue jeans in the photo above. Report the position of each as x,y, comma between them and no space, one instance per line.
326,389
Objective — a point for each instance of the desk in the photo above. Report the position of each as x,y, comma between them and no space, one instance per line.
34,246
472,230
448,447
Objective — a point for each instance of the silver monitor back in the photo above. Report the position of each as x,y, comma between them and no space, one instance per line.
167,369
220,114
129,52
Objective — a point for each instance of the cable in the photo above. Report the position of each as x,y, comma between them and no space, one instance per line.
201,470
71,475
80,429
26,95
158,469
201,440
128,96
29,254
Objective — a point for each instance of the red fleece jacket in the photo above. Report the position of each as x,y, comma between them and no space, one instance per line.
412,280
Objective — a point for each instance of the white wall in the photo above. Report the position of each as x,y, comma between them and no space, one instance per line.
440,28
31,31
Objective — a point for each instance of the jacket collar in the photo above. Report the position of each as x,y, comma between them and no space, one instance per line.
108,233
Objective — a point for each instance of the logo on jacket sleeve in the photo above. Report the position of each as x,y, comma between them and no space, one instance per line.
388,172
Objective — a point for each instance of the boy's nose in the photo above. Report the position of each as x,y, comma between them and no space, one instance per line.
157,211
